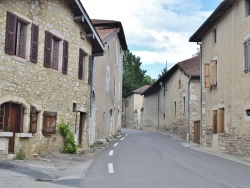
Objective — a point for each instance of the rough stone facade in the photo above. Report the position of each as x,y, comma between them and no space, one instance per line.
27,83
166,104
231,92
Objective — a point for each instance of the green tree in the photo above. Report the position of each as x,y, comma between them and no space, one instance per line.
162,72
133,76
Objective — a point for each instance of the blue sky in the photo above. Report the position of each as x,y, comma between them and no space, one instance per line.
156,30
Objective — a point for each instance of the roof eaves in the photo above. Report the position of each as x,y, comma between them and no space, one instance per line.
223,7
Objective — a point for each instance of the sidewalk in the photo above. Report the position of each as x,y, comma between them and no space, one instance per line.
226,155
52,170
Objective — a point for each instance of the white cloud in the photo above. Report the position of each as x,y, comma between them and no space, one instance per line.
155,30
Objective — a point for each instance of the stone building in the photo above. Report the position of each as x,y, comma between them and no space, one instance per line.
172,102
46,50
225,41
107,80
133,104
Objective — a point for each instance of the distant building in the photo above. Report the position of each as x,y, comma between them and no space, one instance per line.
172,102
107,80
133,104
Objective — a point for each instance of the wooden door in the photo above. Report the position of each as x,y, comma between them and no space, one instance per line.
197,132
81,128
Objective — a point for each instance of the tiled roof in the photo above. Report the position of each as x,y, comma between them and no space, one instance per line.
191,67
105,33
104,27
141,89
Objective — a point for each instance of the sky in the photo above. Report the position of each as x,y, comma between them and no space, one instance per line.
157,31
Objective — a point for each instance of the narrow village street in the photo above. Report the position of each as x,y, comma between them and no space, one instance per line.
137,159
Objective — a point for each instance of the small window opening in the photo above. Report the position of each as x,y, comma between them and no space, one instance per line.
74,106
215,36
248,112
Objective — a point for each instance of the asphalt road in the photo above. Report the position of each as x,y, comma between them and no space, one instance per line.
142,159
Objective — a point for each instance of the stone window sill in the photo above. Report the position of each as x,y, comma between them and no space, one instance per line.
24,135
6,134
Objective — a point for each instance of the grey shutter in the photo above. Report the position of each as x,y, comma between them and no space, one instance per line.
34,43
33,119
47,49
90,69
81,65
10,35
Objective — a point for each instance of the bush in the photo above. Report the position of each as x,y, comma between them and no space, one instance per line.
68,139
20,154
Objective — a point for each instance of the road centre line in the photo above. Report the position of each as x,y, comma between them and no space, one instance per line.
110,168
173,138
111,152
122,138
126,135
115,144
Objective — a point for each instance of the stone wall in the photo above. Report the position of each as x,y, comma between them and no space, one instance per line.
232,90
44,88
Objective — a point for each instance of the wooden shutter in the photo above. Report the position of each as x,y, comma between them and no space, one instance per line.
47,49
213,73
65,57
33,119
10,35
90,69
222,121
215,129
34,43
207,75
49,122
81,64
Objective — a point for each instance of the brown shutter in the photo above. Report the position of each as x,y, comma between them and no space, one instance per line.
10,35
33,119
215,128
34,43
207,75
65,57
90,69
213,73
49,122
81,65
47,49
222,121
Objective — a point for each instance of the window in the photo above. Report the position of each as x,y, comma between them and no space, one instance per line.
219,121
90,69
210,74
175,108
184,105
49,122
52,48
247,7
81,68
126,103
74,109
33,119
114,85
117,54
247,55
107,78
214,36
17,40
11,117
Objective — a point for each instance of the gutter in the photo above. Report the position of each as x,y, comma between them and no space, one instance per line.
189,111
201,120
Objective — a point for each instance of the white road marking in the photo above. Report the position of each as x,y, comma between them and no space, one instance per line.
110,168
126,135
122,138
173,138
111,152
115,144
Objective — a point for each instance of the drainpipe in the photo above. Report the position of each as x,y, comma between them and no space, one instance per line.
200,43
189,111
158,110
90,102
